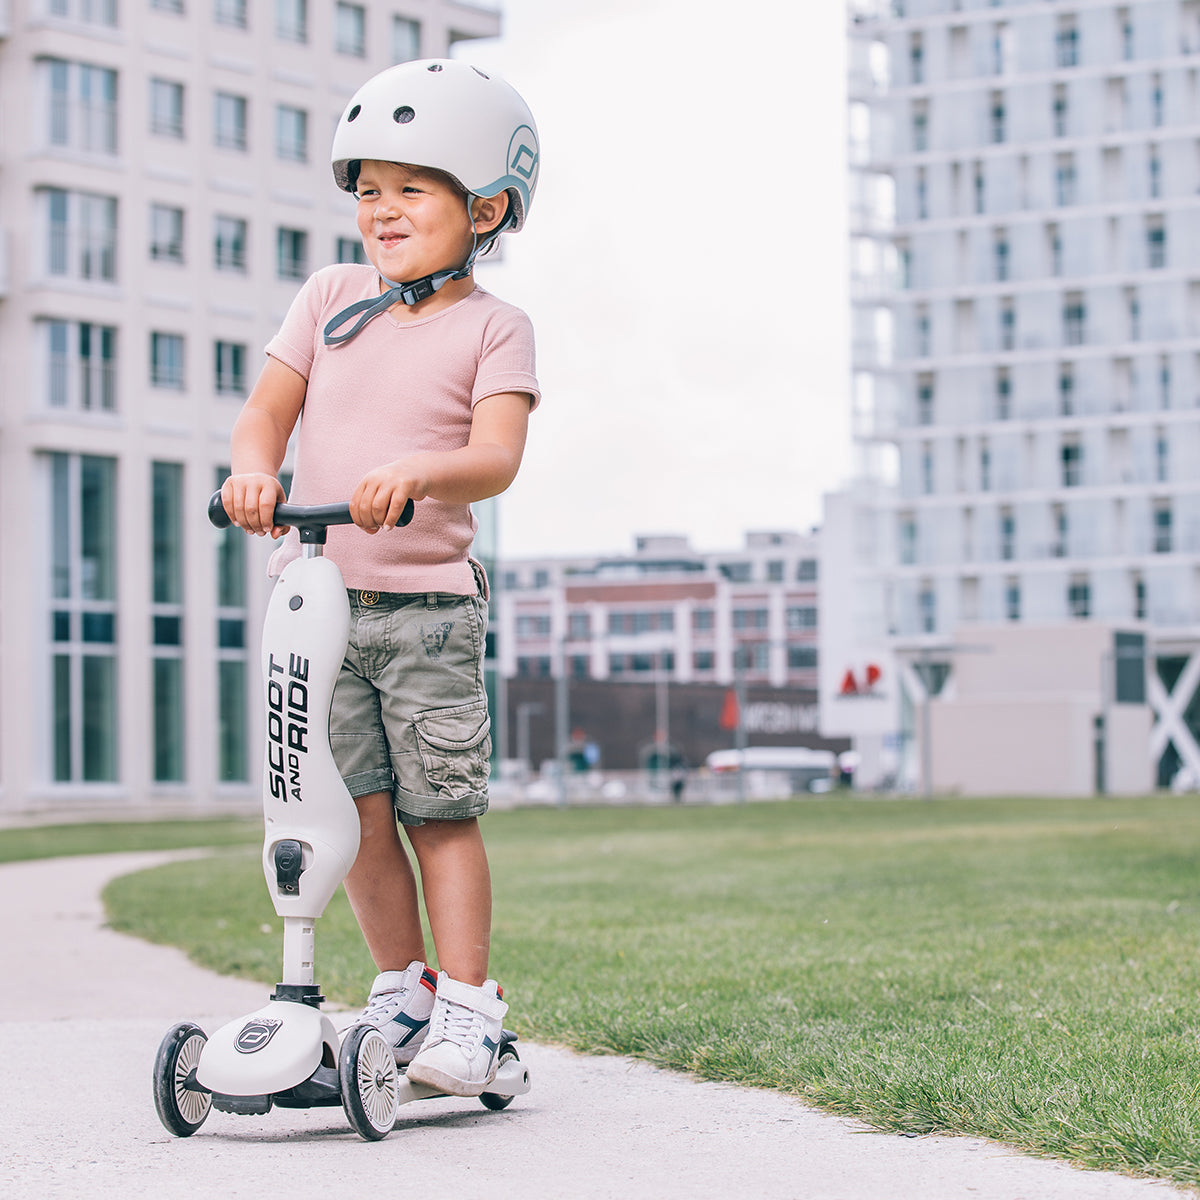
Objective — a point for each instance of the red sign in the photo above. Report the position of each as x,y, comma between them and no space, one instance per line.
729,711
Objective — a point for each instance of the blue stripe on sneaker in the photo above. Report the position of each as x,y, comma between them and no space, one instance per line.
487,1041
413,1024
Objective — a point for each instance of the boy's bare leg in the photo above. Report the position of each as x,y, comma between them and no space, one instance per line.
457,886
382,889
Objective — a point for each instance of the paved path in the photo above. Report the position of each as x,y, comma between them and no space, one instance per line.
82,1010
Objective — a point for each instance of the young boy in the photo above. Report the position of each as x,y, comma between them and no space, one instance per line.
413,384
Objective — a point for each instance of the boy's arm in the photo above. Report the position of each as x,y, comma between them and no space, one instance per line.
259,442
484,467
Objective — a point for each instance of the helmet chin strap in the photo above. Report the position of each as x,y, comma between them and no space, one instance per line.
411,292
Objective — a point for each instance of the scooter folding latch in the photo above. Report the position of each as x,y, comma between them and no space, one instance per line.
289,865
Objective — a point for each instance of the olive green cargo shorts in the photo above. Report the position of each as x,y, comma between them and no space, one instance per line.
409,713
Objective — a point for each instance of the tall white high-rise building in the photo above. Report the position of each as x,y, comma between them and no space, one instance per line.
1025,239
164,190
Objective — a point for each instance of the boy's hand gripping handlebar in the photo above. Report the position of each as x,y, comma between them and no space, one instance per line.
310,519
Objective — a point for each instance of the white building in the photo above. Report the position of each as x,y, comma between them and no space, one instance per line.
164,189
696,623
1025,231
702,616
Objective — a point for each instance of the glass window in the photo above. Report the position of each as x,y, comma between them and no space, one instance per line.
1074,320
1066,43
999,118
1156,243
406,39
166,108
233,750
802,658
81,365
81,235
83,663
230,12
89,12
802,616
1079,598
229,243
927,608
229,121
166,360
350,29
1071,455
166,616
749,618
350,250
291,20
1064,179
82,109
291,133
166,233
291,253
171,6
229,368
1012,600
1163,541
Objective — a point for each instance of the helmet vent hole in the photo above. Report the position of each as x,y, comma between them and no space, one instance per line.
480,73
403,115
353,113
434,67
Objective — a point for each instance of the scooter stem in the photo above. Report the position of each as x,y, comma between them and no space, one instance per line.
299,950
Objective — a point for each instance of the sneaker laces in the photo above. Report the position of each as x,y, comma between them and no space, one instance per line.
383,1006
457,1024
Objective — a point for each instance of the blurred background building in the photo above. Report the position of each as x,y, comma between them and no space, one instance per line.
164,190
662,651
1025,245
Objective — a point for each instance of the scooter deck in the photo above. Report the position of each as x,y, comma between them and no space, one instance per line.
322,1089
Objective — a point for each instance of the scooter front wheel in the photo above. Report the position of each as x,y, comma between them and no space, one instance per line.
180,1108
369,1082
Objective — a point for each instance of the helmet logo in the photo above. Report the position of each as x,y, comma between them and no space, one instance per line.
523,153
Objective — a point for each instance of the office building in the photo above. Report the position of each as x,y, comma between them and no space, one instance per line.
164,190
655,645
1025,244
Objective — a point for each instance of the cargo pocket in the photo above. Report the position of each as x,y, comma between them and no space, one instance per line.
455,746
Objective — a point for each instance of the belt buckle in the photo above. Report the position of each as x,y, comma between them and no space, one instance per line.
368,598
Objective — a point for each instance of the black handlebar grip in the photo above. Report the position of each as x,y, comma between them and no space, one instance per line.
217,516
312,516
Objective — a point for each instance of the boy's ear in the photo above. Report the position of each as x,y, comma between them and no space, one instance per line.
489,211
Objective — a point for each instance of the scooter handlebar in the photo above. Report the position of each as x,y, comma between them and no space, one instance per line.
301,516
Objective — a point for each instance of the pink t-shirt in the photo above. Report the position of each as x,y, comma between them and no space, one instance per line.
396,388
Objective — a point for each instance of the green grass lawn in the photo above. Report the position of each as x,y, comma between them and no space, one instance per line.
1023,970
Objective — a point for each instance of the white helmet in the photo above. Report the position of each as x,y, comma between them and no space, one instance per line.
447,115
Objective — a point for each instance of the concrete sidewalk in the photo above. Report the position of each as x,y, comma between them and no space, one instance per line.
82,1010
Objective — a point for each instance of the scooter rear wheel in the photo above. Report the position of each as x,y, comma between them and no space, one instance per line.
494,1100
180,1109
369,1082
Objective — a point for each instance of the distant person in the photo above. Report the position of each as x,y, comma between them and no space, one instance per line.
409,382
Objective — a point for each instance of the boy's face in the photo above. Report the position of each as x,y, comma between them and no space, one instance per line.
413,222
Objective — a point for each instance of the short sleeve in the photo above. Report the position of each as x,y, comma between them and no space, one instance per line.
507,361
295,343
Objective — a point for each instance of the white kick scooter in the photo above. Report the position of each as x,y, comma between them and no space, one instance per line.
287,1054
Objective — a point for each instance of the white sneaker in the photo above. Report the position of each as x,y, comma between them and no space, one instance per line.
399,1007
459,1054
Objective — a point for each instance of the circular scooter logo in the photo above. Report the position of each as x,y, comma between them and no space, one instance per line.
254,1035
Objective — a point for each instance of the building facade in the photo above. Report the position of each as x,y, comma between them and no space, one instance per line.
164,190
1025,244
647,648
